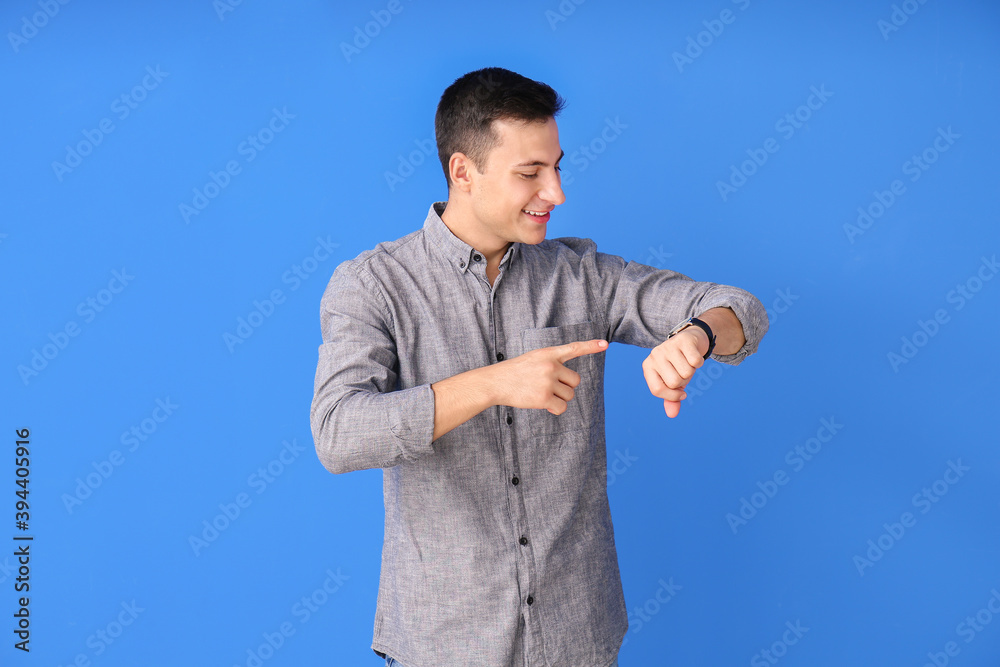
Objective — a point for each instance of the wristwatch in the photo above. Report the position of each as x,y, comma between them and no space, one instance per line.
694,321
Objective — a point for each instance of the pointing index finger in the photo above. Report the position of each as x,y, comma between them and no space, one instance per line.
581,347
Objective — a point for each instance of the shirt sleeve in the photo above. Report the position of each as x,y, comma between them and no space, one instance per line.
647,302
360,418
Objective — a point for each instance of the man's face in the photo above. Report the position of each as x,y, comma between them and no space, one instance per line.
521,175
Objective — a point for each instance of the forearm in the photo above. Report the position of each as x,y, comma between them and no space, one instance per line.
726,327
356,430
646,303
461,397
382,429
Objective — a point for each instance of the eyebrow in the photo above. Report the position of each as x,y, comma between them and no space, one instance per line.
539,163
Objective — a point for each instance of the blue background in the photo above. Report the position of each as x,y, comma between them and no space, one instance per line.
840,303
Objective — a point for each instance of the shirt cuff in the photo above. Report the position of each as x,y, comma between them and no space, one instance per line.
749,311
411,420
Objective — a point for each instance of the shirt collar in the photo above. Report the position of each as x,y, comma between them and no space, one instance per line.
455,250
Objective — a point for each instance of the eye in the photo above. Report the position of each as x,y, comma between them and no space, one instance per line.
558,168
528,175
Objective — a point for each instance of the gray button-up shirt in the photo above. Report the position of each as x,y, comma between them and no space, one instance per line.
499,549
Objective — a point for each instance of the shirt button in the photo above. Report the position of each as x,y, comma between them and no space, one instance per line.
510,420
515,481
477,257
530,600
499,356
523,540
462,264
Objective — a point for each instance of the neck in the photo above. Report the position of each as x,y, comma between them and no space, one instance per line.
462,223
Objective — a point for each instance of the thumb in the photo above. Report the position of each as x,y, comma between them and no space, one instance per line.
672,408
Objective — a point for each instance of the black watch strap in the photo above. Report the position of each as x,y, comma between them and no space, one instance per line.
708,330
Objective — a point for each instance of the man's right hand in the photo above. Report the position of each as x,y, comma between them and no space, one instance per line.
538,379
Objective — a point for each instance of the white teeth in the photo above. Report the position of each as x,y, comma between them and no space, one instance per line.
537,215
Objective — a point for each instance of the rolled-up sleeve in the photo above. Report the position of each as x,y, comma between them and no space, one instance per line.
647,302
359,417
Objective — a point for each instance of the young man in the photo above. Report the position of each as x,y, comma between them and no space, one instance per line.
466,359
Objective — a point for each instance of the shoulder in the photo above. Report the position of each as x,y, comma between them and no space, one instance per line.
388,250
562,250
574,251
371,268
370,262
568,245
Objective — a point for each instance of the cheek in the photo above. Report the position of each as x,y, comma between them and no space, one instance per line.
484,197
519,193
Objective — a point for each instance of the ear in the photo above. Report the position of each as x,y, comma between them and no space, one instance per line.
460,168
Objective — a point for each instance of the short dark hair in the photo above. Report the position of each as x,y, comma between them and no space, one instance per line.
468,107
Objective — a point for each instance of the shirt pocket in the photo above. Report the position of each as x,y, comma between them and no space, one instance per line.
581,410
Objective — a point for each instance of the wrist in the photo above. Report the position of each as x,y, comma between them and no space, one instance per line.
706,339
486,381
701,339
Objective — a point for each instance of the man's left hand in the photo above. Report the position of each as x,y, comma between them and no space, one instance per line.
671,365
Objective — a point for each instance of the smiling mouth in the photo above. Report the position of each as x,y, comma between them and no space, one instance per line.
537,216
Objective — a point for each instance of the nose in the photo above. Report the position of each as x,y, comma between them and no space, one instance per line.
552,191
